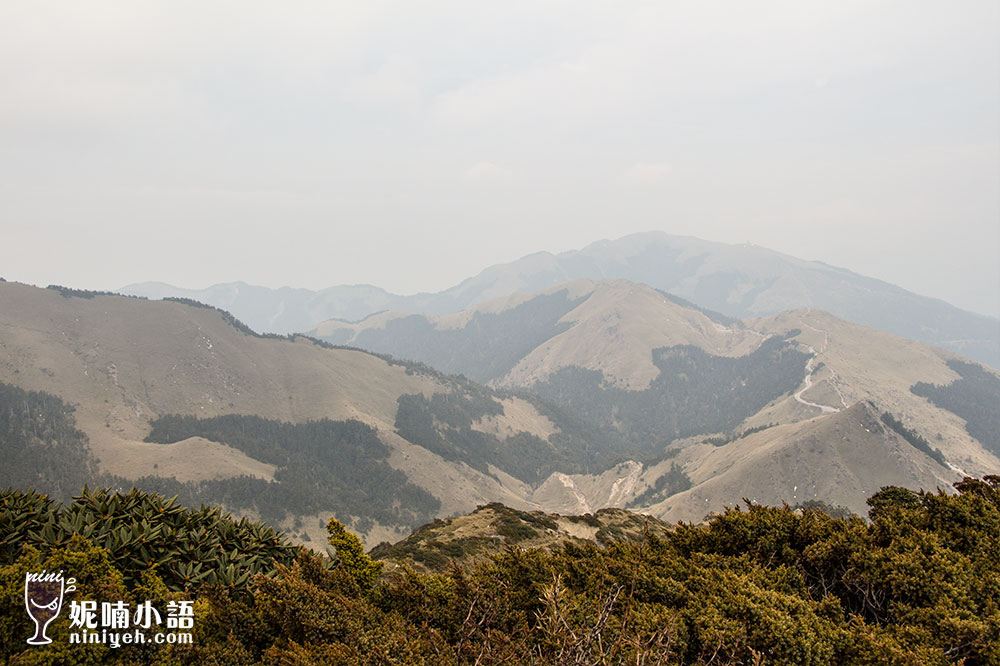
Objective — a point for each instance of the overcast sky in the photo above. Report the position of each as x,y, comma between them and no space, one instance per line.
411,144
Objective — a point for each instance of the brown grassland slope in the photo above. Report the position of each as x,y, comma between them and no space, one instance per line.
122,362
828,443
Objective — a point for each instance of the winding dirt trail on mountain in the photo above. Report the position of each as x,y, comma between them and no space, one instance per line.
810,368
826,409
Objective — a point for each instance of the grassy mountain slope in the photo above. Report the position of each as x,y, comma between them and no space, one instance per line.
124,363
727,407
795,447
608,326
746,281
604,356
840,459
485,343
855,363
680,392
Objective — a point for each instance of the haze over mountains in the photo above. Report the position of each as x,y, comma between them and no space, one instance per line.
601,393
640,366
736,280
124,364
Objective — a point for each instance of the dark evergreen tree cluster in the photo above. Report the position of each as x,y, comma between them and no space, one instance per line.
694,393
322,465
443,424
673,482
68,292
40,445
914,438
975,397
722,440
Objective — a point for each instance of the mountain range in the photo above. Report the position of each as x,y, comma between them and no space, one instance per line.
738,281
579,396
647,370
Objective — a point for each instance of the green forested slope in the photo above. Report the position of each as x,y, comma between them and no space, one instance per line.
40,445
320,464
694,393
975,397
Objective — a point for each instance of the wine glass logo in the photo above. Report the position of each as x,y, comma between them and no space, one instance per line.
43,597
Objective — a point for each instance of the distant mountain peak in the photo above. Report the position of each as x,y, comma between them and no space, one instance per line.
736,280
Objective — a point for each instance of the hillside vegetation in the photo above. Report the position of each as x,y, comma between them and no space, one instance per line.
494,528
694,393
282,428
974,397
763,585
40,445
651,379
487,347
642,402
318,464
451,425
142,533
514,341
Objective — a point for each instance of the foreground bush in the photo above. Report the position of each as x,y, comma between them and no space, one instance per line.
918,584
141,531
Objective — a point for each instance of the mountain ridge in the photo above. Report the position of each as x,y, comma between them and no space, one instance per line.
704,422
123,363
596,364
736,280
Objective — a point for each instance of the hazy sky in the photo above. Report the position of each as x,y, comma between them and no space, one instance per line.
411,144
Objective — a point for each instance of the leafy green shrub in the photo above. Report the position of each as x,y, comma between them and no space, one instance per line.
145,531
764,585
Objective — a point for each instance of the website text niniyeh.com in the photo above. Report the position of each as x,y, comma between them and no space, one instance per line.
114,639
